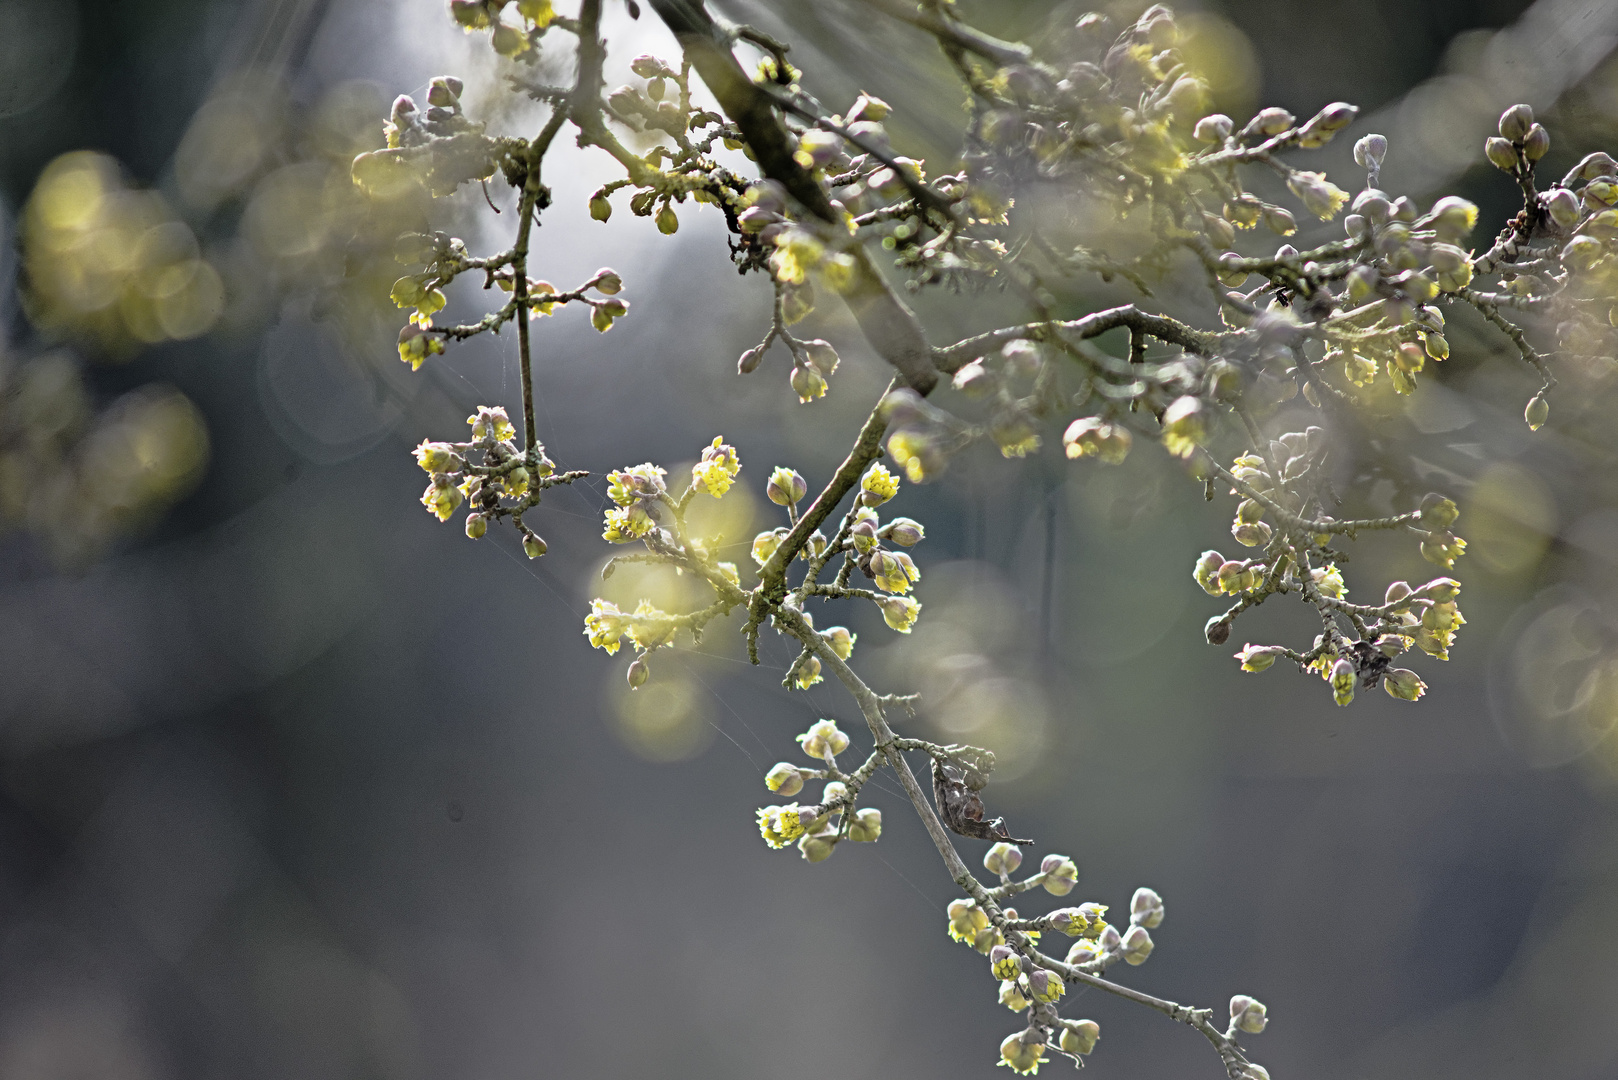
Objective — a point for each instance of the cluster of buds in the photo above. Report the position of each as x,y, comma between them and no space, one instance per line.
1025,982
818,829
501,482
1424,618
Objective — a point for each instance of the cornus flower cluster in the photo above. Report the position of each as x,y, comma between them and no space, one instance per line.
1094,153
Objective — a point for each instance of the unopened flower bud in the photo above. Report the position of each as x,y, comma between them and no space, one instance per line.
1538,411
1515,122
1060,874
1137,946
1258,658
1370,151
1247,1014
1206,571
1272,121
866,826
1146,908
1438,512
1217,630
1404,684
784,779
1442,590
1251,534
785,486
1079,1036
1213,128
1453,217
638,674
1501,154
1280,221
1537,143
476,525
822,356
818,847
822,739
1343,679
749,361
1562,206
1002,858
444,91
807,382
668,222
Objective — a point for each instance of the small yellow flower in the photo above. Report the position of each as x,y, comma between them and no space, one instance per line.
893,572
1022,1057
900,612
605,625
1046,985
879,485
1011,996
718,468
765,543
624,486
441,497
491,422
841,641
626,524
438,457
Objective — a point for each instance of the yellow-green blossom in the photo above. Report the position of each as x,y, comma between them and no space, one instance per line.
1079,1036
1046,985
807,673
784,778
879,485
899,612
441,497
1329,580
605,625
624,486
491,423
1011,996
1004,963
841,640
823,738
626,523
728,571
1319,196
718,468
1022,1057
893,572
866,826
1258,657
765,543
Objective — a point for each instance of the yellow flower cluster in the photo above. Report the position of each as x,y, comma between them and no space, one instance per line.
718,468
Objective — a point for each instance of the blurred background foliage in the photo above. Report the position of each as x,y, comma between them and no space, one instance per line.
295,782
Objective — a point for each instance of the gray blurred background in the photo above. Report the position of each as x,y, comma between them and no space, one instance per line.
298,783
